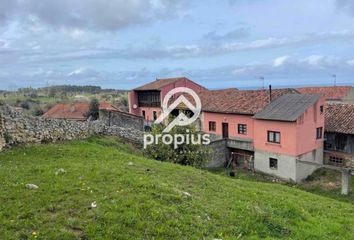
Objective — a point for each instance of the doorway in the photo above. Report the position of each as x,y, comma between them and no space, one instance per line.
225,130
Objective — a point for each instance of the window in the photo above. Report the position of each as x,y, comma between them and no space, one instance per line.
212,126
144,114
321,109
273,163
154,115
273,137
242,129
335,160
319,133
341,141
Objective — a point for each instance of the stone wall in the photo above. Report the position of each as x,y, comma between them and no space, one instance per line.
219,154
122,119
2,131
17,128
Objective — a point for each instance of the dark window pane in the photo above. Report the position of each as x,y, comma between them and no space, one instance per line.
242,128
273,163
273,137
319,133
212,126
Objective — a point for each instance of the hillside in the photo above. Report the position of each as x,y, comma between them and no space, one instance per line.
36,101
138,198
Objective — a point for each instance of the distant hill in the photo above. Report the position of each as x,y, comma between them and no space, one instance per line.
37,101
69,89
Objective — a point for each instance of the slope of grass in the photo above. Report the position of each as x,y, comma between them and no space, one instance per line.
138,198
324,182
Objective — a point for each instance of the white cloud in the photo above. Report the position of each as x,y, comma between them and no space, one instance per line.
322,62
314,60
350,62
232,35
99,15
158,51
280,61
239,70
310,67
305,70
77,72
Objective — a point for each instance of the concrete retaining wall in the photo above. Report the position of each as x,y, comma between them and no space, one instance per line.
304,169
294,168
219,154
286,164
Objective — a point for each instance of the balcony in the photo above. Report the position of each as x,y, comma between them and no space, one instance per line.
240,143
149,99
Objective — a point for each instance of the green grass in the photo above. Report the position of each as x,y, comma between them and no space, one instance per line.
146,200
324,182
14,99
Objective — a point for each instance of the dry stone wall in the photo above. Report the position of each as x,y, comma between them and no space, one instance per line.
17,128
122,119
2,131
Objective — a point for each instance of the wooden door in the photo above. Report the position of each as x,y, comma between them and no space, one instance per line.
225,130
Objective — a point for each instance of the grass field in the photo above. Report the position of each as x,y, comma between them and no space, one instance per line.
324,182
138,198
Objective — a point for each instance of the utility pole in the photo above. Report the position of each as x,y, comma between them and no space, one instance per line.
262,79
334,76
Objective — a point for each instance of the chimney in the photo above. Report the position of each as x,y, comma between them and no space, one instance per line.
270,93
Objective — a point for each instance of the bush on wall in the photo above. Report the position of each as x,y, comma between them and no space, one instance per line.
186,154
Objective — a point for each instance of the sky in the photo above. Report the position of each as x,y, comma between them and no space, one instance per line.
226,43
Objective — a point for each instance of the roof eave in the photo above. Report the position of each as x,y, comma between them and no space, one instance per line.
226,112
275,120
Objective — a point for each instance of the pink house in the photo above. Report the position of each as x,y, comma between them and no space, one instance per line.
289,136
146,100
278,132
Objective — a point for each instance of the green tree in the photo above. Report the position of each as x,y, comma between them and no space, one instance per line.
186,153
38,112
94,109
52,92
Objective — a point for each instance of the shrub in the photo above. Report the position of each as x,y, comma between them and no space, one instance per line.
186,154
94,109
25,105
38,112
8,137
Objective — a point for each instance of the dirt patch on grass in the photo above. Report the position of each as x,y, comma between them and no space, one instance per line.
77,231
325,179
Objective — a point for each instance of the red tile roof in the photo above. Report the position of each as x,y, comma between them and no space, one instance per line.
339,118
108,106
330,93
239,101
74,111
159,83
